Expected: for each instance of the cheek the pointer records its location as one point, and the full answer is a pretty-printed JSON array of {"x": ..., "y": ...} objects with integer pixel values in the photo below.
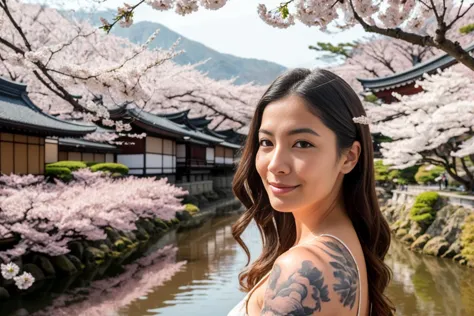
[
  {"x": 316, "y": 171},
  {"x": 260, "y": 164}
]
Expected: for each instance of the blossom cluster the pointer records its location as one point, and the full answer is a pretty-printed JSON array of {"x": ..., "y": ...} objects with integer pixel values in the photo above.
[
  {"x": 409, "y": 15},
  {"x": 184, "y": 7},
  {"x": 440, "y": 118},
  {"x": 48, "y": 216},
  {"x": 11, "y": 270}
]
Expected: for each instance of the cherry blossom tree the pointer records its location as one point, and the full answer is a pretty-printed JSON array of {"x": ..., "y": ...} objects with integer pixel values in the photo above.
[
  {"x": 37, "y": 45},
  {"x": 403, "y": 20},
  {"x": 48, "y": 216},
  {"x": 435, "y": 126},
  {"x": 377, "y": 56},
  {"x": 380, "y": 55},
  {"x": 75, "y": 72}
]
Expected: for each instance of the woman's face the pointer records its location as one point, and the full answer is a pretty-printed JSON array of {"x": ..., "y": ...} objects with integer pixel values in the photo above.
[{"x": 297, "y": 156}]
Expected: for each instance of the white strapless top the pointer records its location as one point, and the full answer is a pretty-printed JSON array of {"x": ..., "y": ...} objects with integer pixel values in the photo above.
[{"x": 240, "y": 308}]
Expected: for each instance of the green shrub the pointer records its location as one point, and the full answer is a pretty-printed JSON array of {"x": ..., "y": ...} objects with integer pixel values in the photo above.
[
  {"x": 58, "y": 172},
  {"x": 191, "y": 208},
  {"x": 423, "y": 211},
  {"x": 426, "y": 176},
  {"x": 71, "y": 165},
  {"x": 381, "y": 171},
  {"x": 190, "y": 199},
  {"x": 467, "y": 238},
  {"x": 110, "y": 167},
  {"x": 91, "y": 163},
  {"x": 403, "y": 176},
  {"x": 428, "y": 198}
]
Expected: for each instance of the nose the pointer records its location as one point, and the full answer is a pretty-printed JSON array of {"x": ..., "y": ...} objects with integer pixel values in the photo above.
[{"x": 279, "y": 162}]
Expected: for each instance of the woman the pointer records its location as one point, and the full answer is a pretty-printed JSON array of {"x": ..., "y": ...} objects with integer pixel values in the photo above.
[{"x": 306, "y": 177}]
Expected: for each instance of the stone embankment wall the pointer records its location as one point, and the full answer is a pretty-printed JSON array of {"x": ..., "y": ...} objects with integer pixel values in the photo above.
[{"x": 448, "y": 233}]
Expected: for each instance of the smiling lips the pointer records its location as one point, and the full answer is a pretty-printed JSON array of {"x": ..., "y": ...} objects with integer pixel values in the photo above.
[{"x": 280, "y": 188}]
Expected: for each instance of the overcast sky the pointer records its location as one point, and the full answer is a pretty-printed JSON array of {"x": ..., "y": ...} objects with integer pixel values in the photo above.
[{"x": 236, "y": 29}]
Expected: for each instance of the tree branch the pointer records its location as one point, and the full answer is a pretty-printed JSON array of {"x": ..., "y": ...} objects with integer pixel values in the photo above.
[{"x": 453, "y": 49}]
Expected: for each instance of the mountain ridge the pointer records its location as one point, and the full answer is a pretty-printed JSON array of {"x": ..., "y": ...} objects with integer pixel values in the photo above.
[{"x": 219, "y": 66}]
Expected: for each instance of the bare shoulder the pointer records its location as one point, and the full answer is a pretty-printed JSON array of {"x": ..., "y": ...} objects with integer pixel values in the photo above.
[{"x": 317, "y": 279}]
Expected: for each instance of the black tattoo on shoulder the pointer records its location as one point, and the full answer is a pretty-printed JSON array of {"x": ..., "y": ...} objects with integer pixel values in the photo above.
[
  {"x": 345, "y": 271},
  {"x": 302, "y": 294}
]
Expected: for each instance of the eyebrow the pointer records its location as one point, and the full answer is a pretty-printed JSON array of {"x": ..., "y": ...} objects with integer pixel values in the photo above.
[{"x": 292, "y": 132}]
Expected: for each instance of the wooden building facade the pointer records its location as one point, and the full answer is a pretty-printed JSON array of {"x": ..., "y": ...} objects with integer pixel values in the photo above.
[{"x": 28, "y": 136}]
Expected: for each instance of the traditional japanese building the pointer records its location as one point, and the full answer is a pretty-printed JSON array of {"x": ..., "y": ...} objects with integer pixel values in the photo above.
[
  {"x": 404, "y": 82},
  {"x": 207, "y": 154},
  {"x": 180, "y": 148},
  {"x": 28, "y": 136},
  {"x": 80, "y": 149},
  {"x": 175, "y": 147}
]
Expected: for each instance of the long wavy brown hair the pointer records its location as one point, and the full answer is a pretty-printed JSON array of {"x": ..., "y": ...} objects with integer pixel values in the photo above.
[{"x": 333, "y": 101}]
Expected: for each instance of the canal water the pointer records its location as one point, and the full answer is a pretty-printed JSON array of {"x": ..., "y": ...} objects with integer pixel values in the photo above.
[{"x": 207, "y": 284}]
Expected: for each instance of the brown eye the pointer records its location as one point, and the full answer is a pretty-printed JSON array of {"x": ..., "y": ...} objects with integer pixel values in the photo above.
[
  {"x": 265, "y": 143},
  {"x": 303, "y": 144}
]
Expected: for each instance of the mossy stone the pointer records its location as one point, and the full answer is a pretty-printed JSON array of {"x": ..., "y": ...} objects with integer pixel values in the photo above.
[
  {"x": 104, "y": 248},
  {"x": 63, "y": 265},
  {"x": 147, "y": 225},
  {"x": 408, "y": 239},
  {"x": 45, "y": 265},
  {"x": 160, "y": 224},
  {"x": 131, "y": 236},
  {"x": 92, "y": 254},
  {"x": 126, "y": 241},
  {"x": 401, "y": 232},
  {"x": 4, "y": 295},
  {"x": 76, "y": 262},
  {"x": 436, "y": 246},
  {"x": 119, "y": 245},
  {"x": 141, "y": 234},
  {"x": 420, "y": 243},
  {"x": 112, "y": 234},
  {"x": 77, "y": 249}
]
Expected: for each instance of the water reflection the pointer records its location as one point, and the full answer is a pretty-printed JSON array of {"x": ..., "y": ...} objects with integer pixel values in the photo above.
[
  {"x": 422, "y": 286},
  {"x": 208, "y": 283},
  {"x": 430, "y": 286}
]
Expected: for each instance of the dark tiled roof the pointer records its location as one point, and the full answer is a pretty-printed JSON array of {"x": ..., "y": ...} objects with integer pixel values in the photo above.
[
  {"x": 199, "y": 122},
  {"x": 230, "y": 145},
  {"x": 99, "y": 129},
  {"x": 178, "y": 117},
  {"x": 17, "y": 112},
  {"x": 170, "y": 126},
  {"x": 214, "y": 133},
  {"x": 411, "y": 75},
  {"x": 179, "y": 124},
  {"x": 232, "y": 136},
  {"x": 82, "y": 143}
]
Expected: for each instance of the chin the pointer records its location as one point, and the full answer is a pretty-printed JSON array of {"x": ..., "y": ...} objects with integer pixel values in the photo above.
[{"x": 281, "y": 205}]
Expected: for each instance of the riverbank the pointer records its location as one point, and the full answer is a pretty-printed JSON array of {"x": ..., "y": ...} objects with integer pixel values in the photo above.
[
  {"x": 430, "y": 225},
  {"x": 94, "y": 260}
]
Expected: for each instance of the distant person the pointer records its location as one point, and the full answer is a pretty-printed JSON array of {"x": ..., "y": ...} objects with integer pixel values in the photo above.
[
  {"x": 439, "y": 181},
  {"x": 445, "y": 181},
  {"x": 306, "y": 177}
]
